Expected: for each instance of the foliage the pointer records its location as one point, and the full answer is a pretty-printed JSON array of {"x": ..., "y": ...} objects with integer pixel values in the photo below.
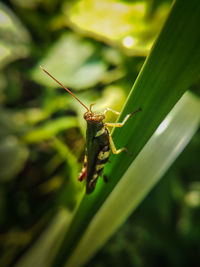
[{"x": 42, "y": 131}]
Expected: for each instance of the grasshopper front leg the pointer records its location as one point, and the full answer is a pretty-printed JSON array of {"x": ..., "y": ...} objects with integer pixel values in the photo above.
[
  {"x": 112, "y": 110},
  {"x": 119, "y": 124}
]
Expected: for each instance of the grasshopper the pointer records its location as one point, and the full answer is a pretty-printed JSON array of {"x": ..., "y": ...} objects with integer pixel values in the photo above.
[{"x": 98, "y": 141}]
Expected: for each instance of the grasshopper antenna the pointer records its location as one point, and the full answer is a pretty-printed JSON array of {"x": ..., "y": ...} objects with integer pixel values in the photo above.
[{"x": 64, "y": 87}]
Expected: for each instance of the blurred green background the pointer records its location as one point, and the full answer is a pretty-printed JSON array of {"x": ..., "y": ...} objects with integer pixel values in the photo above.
[{"x": 96, "y": 48}]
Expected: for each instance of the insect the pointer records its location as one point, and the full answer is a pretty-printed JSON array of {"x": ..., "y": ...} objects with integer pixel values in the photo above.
[{"x": 98, "y": 141}]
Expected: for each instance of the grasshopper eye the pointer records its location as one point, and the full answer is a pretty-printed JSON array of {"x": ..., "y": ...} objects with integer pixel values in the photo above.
[{"x": 87, "y": 115}]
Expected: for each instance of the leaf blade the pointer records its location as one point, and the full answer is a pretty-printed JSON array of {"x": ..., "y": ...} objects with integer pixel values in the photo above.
[{"x": 155, "y": 158}]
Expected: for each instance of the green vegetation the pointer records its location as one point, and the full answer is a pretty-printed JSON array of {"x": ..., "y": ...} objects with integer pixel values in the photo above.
[{"x": 45, "y": 217}]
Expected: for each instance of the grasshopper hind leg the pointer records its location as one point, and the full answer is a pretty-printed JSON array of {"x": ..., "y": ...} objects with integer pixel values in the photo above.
[
  {"x": 115, "y": 150},
  {"x": 83, "y": 173}
]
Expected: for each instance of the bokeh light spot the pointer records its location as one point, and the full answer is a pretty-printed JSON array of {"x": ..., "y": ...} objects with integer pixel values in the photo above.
[{"x": 128, "y": 41}]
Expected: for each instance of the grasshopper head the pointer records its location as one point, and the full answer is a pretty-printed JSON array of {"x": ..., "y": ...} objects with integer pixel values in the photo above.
[
  {"x": 90, "y": 116},
  {"x": 93, "y": 117}
]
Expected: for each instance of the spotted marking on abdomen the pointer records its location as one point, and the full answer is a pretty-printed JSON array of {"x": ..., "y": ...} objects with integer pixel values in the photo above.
[
  {"x": 104, "y": 153},
  {"x": 102, "y": 158},
  {"x": 99, "y": 167}
]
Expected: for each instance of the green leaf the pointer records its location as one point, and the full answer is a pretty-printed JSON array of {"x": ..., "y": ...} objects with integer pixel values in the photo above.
[
  {"x": 44, "y": 248},
  {"x": 172, "y": 66},
  {"x": 13, "y": 156},
  {"x": 13, "y": 37},
  {"x": 158, "y": 154},
  {"x": 50, "y": 129},
  {"x": 73, "y": 62},
  {"x": 128, "y": 25}
]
